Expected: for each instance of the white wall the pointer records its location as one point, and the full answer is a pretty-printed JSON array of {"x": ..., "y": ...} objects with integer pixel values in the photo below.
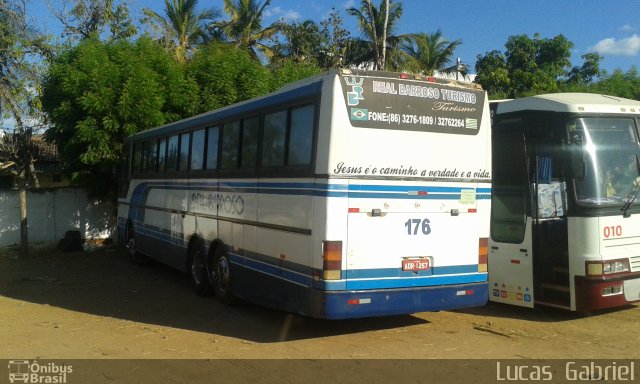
[{"x": 52, "y": 212}]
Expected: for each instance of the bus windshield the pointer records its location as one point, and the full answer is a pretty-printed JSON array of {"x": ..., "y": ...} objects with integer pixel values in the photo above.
[{"x": 609, "y": 159}]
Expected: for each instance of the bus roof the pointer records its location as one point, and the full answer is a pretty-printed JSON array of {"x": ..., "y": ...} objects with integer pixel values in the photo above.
[{"x": 571, "y": 102}]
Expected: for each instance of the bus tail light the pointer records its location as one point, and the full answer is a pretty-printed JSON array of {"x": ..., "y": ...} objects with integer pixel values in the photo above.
[
  {"x": 483, "y": 254},
  {"x": 609, "y": 267},
  {"x": 331, "y": 260}
]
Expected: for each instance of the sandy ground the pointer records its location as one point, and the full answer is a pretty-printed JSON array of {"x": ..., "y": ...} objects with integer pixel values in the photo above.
[{"x": 96, "y": 305}]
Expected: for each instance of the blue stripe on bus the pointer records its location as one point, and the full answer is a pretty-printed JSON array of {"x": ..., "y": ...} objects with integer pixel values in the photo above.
[
  {"x": 319, "y": 190},
  {"x": 382, "y": 283},
  {"x": 365, "y": 279},
  {"x": 386, "y": 272},
  {"x": 270, "y": 269}
]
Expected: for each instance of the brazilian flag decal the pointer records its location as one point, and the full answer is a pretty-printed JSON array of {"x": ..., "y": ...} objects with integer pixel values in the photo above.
[{"x": 360, "y": 114}]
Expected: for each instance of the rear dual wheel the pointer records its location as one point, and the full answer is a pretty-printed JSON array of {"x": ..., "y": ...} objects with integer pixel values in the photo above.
[
  {"x": 222, "y": 277},
  {"x": 200, "y": 271}
]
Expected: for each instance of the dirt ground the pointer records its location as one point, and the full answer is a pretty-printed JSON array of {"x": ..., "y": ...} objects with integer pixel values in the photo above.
[{"x": 96, "y": 305}]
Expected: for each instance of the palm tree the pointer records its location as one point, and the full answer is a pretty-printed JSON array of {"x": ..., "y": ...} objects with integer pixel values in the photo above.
[
  {"x": 181, "y": 27},
  {"x": 427, "y": 53},
  {"x": 244, "y": 27},
  {"x": 378, "y": 26}
]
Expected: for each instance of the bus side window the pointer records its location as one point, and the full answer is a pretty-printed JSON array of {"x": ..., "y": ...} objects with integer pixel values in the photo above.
[
  {"x": 149, "y": 161},
  {"x": 197, "y": 150},
  {"x": 230, "y": 145},
  {"x": 136, "y": 165},
  {"x": 162, "y": 152},
  {"x": 124, "y": 174},
  {"x": 183, "y": 162},
  {"x": 301, "y": 136},
  {"x": 213, "y": 138},
  {"x": 249, "y": 142},
  {"x": 275, "y": 130},
  {"x": 172, "y": 154}
]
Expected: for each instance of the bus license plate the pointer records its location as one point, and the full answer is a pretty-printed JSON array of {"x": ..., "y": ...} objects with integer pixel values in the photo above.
[{"x": 422, "y": 264}]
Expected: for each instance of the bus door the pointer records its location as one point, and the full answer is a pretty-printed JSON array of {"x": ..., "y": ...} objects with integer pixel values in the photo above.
[
  {"x": 510, "y": 246},
  {"x": 550, "y": 235},
  {"x": 411, "y": 235}
]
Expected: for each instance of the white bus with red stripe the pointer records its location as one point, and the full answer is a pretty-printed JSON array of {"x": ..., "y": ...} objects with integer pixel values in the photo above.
[
  {"x": 565, "y": 226},
  {"x": 348, "y": 194}
]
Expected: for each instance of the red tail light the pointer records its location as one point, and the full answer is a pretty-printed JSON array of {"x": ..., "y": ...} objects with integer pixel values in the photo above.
[
  {"x": 483, "y": 254},
  {"x": 331, "y": 260}
]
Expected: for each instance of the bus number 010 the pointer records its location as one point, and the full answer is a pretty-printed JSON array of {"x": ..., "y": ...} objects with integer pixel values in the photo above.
[
  {"x": 613, "y": 231},
  {"x": 413, "y": 225}
]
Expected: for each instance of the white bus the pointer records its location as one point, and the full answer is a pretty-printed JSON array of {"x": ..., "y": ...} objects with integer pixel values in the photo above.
[
  {"x": 565, "y": 224},
  {"x": 348, "y": 194}
]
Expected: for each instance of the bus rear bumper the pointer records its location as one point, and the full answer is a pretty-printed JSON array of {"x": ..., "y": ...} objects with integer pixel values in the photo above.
[
  {"x": 371, "y": 303},
  {"x": 609, "y": 292}
]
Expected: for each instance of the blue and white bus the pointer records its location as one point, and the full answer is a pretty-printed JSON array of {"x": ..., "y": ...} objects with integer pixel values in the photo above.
[{"x": 347, "y": 194}]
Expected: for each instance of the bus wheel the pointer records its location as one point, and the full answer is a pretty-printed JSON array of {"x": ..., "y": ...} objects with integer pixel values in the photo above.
[
  {"x": 135, "y": 257},
  {"x": 200, "y": 276},
  {"x": 222, "y": 277}
]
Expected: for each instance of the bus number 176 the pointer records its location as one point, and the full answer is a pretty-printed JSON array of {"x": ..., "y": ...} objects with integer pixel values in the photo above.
[{"x": 413, "y": 225}]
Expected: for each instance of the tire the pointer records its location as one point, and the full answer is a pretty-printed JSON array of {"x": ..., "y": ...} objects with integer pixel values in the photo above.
[
  {"x": 200, "y": 271},
  {"x": 222, "y": 277},
  {"x": 136, "y": 257}
]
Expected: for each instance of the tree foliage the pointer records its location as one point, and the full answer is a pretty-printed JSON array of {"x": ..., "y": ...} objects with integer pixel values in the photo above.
[
  {"x": 226, "y": 75},
  {"x": 619, "y": 83},
  {"x": 528, "y": 66},
  {"x": 378, "y": 25},
  {"x": 182, "y": 27},
  {"x": 323, "y": 45},
  {"x": 244, "y": 27},
  {"x": 427, "y": 53},
  {"x": 289, "y": 71},
  {"x": 97, "y": 93},
  {"x": 84, "y": 19},
  {"x": 18, "y": 74}
]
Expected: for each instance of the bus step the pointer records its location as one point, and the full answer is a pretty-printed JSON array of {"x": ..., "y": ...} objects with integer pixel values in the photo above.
[
  {"x": 555, "y": 287},
  {"x": 553, "y": 303},
  {"x": 561, "y": 274}
]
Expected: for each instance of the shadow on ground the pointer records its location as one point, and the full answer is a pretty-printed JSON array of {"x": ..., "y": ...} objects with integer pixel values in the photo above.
[{"x": 104, "y": 283}]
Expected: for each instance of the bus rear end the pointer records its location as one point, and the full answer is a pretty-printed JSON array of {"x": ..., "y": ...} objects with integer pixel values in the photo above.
[{"x": 402, "y": 219}]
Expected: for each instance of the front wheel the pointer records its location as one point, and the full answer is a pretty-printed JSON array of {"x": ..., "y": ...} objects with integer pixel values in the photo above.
[
  {"x": 222, "y": 277},
  {"x": 135, "y": 256},
  {"x": 200, "y": 272}
]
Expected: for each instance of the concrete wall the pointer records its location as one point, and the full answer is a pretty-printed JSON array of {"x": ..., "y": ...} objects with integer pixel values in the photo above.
[{"x": 52, "y": 212}]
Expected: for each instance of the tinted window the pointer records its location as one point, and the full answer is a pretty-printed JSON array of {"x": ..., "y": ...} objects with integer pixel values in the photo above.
[
  {"x": 172, "y": 154},
  {"x": 184, "y": 152},
  {"x": 162, "y": 152},
  {"x": 230, "y": 145},
  {"x": 197, "y": 150},
  {"x": 137, "y": 158},
  {"x": 149, "y": 163},
  {"x": 249, "y": 143},
  {"x": 275, "y": 130},
  {"x": 301, "y": 136},
  {"x": 510, "y": 188},
  {"x": 213, "y": 137}
]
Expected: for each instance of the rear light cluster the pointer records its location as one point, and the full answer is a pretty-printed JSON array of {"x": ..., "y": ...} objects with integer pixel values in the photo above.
[
  {"x": 609, "y": 267},
  {"x": 483, "y": 254},
  {"x": 331, "y": 260}
]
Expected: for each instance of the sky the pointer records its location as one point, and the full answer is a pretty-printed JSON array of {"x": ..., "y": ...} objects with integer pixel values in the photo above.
[{"x": 610, "y": 27}]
